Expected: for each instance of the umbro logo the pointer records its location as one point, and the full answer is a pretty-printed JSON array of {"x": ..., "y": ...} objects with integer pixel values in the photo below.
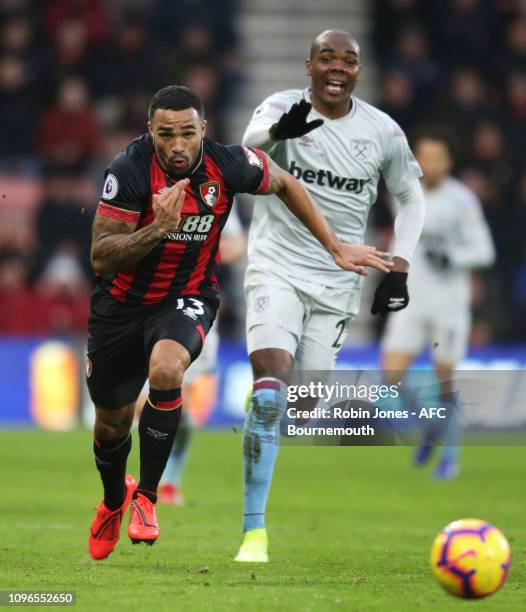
[
  {"x": 306, "y": 140},
  {"x": 396, "y": 303},
  {"x": 158, "y": 435}
]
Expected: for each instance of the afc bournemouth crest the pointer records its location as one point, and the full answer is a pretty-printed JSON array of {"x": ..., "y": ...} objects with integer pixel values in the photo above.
[{"x": 210, "y": 192}]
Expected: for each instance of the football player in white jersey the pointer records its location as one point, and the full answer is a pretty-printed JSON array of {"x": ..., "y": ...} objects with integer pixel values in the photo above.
[
  {"x": 298, "y": 304},
  {"x": 200, "y": 372},
  {"x": 455, "y": 240}
]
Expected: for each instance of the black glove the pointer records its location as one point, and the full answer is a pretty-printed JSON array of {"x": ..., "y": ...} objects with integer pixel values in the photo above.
[
  {"x": 294, "y": 123},
  {"x": 438, "y": 260},
  {"x": 391, "y": 294}
]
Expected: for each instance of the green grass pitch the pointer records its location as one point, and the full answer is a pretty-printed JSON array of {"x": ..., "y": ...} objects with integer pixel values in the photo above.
[{"x": 349, "y": 528}]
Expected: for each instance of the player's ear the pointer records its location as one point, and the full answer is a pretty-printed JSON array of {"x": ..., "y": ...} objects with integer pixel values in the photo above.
[
  {"x": 204, "y": 125},
  {"x": 150, "y": 129},
  {"x": 308, "y": 67}
]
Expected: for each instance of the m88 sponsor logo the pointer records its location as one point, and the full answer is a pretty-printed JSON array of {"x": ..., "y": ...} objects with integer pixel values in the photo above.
[{"x": 192, "y": 228}]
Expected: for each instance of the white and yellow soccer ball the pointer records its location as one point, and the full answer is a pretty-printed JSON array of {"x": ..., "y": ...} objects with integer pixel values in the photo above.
[{"x": 470, "y": 558}]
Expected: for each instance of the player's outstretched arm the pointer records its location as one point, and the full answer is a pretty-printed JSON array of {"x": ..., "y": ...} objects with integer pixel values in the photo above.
[
  {"x": 293, "y": 123},
  {"x": 297, "y": 199},
  {"x": 264, "y": 131},
  {"x": 117, "y": 246}
]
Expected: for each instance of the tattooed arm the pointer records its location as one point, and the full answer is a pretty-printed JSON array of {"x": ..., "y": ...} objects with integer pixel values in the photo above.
[
  {"x": 117, "y": 245},
  {"x": 297, "y": 199}
]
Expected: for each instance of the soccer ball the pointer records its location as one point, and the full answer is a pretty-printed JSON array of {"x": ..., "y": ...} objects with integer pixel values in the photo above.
[{"x": 470, "y": 558}]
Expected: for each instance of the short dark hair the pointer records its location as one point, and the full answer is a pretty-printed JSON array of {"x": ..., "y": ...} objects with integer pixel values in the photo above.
[
  {"x": 315, "y": 43},
  {"x": 176, "y": 97},
  {"x": 437, "y": 133}
]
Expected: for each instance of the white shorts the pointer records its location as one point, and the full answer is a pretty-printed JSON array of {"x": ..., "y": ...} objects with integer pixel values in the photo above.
[
  {"x": 307, "y": 320},
  {"x": 446, "y": 333}
]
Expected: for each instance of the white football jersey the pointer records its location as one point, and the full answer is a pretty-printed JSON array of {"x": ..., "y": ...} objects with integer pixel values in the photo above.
[
  {"x": 454, "y": 225},
  {"x": 340, "y": 163}
]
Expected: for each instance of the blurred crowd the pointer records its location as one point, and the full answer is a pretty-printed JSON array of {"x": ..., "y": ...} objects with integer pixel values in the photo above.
[
  {"x": 459, "y": 66},
  {"x": 76, "y": 77}
]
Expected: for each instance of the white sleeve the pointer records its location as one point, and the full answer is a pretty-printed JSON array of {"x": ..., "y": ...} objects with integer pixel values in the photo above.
[
  {"x": 258, "y": 136},
  {"x": 265, "y": 116},
  {"x": 410, "y": 220},
  {"x": 233, "y": 225},
  {"x": 473, "y": 246},
  {"x": 400, "y": 167}
]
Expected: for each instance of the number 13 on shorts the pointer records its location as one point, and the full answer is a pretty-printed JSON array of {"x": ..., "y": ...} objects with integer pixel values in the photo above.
[{"x": 191, "y": 307}]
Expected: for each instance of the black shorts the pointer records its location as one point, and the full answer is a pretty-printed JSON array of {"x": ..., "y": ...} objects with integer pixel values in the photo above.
[{"x": 121, "y": 338}]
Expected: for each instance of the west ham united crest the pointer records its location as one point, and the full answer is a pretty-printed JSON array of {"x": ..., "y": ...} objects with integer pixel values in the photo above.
[
  {"x": 261, "y": 303},
  {"x": 210, "y": 193},
  {"x": 361, "y": 148}
]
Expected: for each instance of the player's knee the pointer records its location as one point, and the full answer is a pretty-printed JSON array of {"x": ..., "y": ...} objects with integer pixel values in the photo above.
[
  {"x": 109, "y": 431},
  {"x": 112, "y": 425},
  {"x": 275, "y": 363},
  {"x": 167, "y": 375}
]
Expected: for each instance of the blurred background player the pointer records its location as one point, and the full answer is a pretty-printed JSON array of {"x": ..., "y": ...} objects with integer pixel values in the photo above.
[
  {"x": 202, "y": 372},
  {"x": 455, "y": 240},
  {"x": 298, "y": 304}
]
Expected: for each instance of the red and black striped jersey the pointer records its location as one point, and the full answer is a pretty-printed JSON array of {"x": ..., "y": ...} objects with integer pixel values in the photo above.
[{"x": 185, "y": 261}]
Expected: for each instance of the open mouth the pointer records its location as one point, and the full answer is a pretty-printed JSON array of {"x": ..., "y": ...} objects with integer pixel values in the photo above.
[
  {"x": 179, "y": 162},
  {"x": 335, "y": 87}
]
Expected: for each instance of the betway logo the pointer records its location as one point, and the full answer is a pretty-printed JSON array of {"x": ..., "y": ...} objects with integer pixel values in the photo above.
[{"x": 326, "y": 178}]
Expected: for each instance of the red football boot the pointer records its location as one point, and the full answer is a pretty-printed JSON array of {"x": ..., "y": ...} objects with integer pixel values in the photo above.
[
  {"x": 169, "y": 494},
  {"x": 105, "y": 529},
  {"x": 143, "y": 525}
]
